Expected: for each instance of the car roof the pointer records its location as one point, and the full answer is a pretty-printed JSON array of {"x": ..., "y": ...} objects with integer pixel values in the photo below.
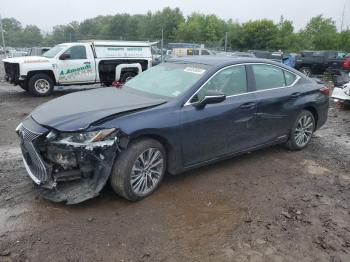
[{"x": 220, "y": 60}]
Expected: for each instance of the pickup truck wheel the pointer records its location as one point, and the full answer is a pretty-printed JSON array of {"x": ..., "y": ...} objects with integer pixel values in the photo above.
[
  {"x": 306, "y": 71},
  {"x": 127, "y": 76},
  {"x": 302, "y": 130},
  {"x": 139, "y": 170},
  {"x": 40, "y": 85}
]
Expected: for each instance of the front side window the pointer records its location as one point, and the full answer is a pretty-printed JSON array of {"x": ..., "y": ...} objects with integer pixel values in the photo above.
[
  {"x": 341, "y": 55},
  {"x": 76, "y": 52},
  {"x": 267, "y": 77},
  {"x": 230, "y": 81}
]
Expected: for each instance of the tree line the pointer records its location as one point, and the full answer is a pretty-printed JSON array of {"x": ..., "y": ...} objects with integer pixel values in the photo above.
[{"x": 320, "y": 33}]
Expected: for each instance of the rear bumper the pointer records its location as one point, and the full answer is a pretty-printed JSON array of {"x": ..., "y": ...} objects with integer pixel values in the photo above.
[{"x": 322, "y": 113}]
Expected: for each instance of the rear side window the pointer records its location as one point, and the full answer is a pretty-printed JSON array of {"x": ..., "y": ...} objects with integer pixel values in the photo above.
[
  {"x": 290, "y": 78},
  {"x": 267, "y": 77}
]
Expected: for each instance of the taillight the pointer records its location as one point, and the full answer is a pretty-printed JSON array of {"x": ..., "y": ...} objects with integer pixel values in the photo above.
[
  {"x": 117, "y": 84},
  {"x": 325, "y": 90},
  {"x": 346, "y": 64}
]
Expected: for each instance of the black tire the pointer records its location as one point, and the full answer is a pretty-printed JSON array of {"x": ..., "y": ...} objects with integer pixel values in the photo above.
[
  {"x": 127, "y": 76},
  {"x": 24, "y": 86},
  {"x": 306, "y": 71},
  {"x": 122, "y": 171},
  {"x": 292, "y": 142},
  {"x": 34, "y": 84}
]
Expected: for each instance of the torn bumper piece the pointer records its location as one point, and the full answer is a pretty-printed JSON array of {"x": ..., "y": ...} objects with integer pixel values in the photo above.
[
  {"x": 65, "y": 170},
  {"x": 342, "y": 94}
]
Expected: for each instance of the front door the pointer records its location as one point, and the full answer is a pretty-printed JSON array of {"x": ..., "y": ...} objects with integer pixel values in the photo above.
[
  {"x": 76, "y": 67},
  {"x": 223, "y": 128}
]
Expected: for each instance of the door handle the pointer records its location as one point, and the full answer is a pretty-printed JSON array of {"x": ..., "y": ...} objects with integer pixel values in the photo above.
[
  {"x": 87, "y": 63},
  {"x": 295, "y": 95},
  {"x": 248, "y": 105}
]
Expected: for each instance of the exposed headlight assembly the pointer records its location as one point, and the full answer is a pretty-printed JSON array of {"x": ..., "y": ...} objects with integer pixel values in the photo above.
[{"x": 105, "y": 137}]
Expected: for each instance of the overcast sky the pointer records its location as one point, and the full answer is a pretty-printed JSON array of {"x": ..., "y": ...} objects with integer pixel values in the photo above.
[{"x": 47, "y": 13}]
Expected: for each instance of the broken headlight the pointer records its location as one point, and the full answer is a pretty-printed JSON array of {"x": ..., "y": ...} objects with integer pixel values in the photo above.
[{"x": 93, "y": 138}]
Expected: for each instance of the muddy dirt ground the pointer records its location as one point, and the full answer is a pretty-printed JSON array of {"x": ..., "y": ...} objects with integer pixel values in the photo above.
[{"x": 271, "y": 205}]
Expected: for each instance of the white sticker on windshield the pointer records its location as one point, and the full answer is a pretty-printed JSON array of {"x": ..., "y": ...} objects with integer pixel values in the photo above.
[
  {"x": 176, "y": 93},
  {"x": 198, "y": 71}
]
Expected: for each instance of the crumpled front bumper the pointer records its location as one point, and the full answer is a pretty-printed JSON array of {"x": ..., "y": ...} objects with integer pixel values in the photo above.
[
  {"x": 85, "y": 181},
  {"x": 84, "y": 174}
]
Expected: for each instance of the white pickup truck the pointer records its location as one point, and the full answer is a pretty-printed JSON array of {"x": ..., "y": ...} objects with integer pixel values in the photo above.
[{"x": 79, "y": 64}]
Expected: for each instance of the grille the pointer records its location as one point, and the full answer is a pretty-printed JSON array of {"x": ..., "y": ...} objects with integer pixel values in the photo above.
[
  {"x": 31, "y": 156},
  {"x": 12, "y": 71}
]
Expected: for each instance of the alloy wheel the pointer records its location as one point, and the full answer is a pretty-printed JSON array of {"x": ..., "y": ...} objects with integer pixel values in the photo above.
[
  {"x": 304, "y": 130},
  {"x": 147, "y": 171}
]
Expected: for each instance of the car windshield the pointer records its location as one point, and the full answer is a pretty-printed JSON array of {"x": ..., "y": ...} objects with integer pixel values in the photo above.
[
  {"x": 168, "y": 79},
  {"x": 54, "y": 51}
]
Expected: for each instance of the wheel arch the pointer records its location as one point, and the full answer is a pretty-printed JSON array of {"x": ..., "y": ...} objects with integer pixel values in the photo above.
[
  {"x": 314, "y": 113},
  {"x": 49, "y": 73},
  {"x": 172, "y": 160}
]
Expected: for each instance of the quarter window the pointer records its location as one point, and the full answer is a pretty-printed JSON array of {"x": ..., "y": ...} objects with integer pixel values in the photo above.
[
  {"x": 230, "y": 81},
  {"x": 267, "y": 77},
  {"x": 76, "y": 52},
  {"x": 290, "y": 78}
]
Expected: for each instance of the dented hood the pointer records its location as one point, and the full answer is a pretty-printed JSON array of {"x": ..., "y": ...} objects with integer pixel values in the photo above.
[{"x": 79, "y": 110}]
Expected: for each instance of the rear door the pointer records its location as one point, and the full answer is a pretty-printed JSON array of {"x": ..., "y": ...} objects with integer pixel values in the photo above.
[
  {"x": 79, "y": 67},
  {"x": 277, "y": 101},
  {"x": 223, "y": 128}
]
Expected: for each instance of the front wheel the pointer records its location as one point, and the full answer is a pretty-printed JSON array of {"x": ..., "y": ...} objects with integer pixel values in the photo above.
[
  {"x": 24, "y": 86},
  {"x": 139, "y": 170},
  {"x": 302, "y": 130},
  {"x": 40, "y": 85}
]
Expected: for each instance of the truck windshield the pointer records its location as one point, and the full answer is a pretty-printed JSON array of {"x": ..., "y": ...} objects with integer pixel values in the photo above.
[
  {"x": 168, "y": 79},
  {"x": 54, "y": 51}
]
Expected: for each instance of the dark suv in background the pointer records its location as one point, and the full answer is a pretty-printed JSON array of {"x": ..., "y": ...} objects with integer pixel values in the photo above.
[{"x": 317, "y": 62}]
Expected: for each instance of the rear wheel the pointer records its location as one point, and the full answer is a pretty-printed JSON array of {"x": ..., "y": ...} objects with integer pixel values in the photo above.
[
  {"x": 40, "y": 85},
  {"x": 306, "y": 71},
  {"x": 302, "y": 131},
  {"x": 127, "y": 76},
  {"x": 139, "y": 170}
]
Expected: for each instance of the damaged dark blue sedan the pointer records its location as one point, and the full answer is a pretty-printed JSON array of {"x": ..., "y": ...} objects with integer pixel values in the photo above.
[{"x": 176, "y": 116}]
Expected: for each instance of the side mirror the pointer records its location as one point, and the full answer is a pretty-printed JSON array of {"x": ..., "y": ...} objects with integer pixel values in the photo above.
[
  {"x": 65, "y": 56},
  {"x": 211, "y": 97}
]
